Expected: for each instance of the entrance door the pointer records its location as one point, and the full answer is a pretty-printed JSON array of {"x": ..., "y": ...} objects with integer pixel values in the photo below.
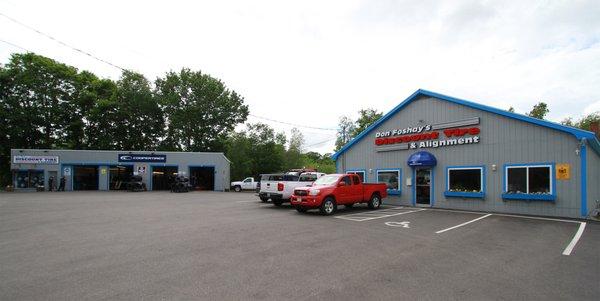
[{"x": 423, "y": 186}]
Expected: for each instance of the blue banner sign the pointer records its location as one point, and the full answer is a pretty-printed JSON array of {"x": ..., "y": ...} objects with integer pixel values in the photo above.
[{"x": 142, "y": 158}]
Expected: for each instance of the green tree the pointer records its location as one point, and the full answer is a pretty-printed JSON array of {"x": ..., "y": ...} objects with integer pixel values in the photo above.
[
  {"x": 539, "y": 110},
  {"x": 238, "y": 149},
  {"x": 567, "y": 121},
  {"x": 587, "y": 120},
  {"x": 38, "y": 93},
  {"x": 140, "y": 119},
  {"x": 199, "y": 110},
  {"x": 256, "y": 150},
  {"x": 323, "y": 163},
  {"x": 344, "y": 134},
  {"x": 585, "y": 123},
  {"x": 366, "y": 117},
  {"x": 102, "y": 120},
  {"x": 293, "y": 155}
]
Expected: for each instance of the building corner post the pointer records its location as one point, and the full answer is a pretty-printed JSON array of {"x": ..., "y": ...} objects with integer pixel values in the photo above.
[{"x": 583, "y": 158}]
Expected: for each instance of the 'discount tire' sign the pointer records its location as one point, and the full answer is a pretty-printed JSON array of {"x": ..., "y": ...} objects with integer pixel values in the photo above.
[{"x": 142, "y": 158}]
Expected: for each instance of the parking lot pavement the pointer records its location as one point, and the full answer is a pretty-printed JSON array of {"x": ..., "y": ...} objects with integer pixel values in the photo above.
[{"x": 209, "y": 245}]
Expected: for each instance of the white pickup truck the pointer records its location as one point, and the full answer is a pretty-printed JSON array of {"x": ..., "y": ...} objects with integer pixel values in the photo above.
[
  {"x": 280, "y": 187},
  {"x": 246, "y": 184}
]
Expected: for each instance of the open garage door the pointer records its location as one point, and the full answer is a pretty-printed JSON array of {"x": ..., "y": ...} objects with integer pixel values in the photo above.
[
  {"x": 85, "y": 177},
  {"x": 202, "y": 178},
  {"x": 119, "y": 176},
  {"x": 163, "y": 177}
]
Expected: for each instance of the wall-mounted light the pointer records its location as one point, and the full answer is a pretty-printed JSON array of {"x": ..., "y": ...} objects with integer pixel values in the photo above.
[
  {"x": 370, "y": 170},
  {"x": 494, "y": 167},
  {"x": 577, "y": 152}
]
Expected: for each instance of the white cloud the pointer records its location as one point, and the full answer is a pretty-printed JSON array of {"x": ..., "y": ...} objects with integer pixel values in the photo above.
[{"x": 308, "y": 62}]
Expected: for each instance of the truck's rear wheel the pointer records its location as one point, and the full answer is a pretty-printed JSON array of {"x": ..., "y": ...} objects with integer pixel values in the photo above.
[
  {"x": 237, "y": 188},
  {"x": 277, "y": 202},
  {"x": 328, "y": 206},
  {"x": 263, "y": 199},
  {"x": 375, "y": 201}
]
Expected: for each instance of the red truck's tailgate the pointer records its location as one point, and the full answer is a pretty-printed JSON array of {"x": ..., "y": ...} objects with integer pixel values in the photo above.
[{"x": 370, "y": 188}]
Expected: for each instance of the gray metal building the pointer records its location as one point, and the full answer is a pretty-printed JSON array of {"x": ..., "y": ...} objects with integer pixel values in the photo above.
[
  {"x": 439, "y": 151},
  {"x": 110, "y": 170}
]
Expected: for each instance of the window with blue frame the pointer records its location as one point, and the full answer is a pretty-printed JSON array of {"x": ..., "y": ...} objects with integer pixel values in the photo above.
[
  {"x": 360, "y": 173},
  {"x": 466, "y": 182},
  {"x": 392, "y": 178},
  {"x": 529, "y": 182}
]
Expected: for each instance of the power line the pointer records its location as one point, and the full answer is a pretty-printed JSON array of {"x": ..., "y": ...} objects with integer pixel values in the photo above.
[
  {"x": 61, "y": 42},
  {"x": 293, "y": 124},
  {"x": 15, "y": 45},
  {"x": 315, "y": 144}
]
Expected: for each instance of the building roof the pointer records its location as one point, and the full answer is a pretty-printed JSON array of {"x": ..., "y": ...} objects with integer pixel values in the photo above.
[{"x": 578, "y": 133}]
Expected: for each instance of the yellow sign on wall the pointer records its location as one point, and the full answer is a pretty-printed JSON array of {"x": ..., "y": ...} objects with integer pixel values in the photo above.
[
  {"x": 103, "y": 171},
  {"x": 563, "y": 171}
]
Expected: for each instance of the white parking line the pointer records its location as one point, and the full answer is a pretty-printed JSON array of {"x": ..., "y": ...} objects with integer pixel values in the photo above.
[
  {"x": 457, "y": 226},
  {"x": 358, "y": 218},
  {"x": 575, "y": 239}
]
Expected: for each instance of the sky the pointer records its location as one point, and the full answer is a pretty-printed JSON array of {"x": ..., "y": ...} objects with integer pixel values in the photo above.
[{"x": 311, "y": 62}]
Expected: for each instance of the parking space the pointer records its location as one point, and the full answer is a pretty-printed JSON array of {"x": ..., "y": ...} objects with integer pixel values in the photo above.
[
  {"x": 565, "y": 234},
  {"x": 209, "y": 245}
]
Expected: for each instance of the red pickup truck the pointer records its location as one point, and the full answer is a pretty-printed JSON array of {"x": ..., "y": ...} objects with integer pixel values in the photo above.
[{"x": 329, "y": 191}]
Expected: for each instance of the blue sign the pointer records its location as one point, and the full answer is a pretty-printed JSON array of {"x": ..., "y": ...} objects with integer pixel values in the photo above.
[{"x": 142, "y": 158}]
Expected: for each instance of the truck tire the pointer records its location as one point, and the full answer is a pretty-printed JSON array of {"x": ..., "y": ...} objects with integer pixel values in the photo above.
[
  {"x": 277, "y": 202},
  {"x": 328, "y": 207},
  {"x": 263, "y": 199},
  {"x": 300, "y": 209},
  {"x": 375, "y": 201},
  {"x": 237, "y": 188}
]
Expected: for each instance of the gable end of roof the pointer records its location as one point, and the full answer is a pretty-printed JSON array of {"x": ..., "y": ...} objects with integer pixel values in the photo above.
[{"x": 578, "y": 133}]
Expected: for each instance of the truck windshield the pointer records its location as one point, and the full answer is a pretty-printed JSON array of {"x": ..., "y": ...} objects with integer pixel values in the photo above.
[{"x": 326, "y": 180}]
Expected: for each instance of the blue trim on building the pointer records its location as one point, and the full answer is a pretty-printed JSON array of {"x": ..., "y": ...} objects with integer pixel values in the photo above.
[
  {"x": 97, "y": 164},
  {"x": 431, "y": 185},
  {"x": 583, "y": 157},
  {"x": 414, "y": 186},
  {"x": 391, "y": 191},
  {"x": 364, "y": 171},
  {"x": 455, "y": 194},
  {"x": 578, "y": 133},
  {"x": 62, "y": 166},
  {"x": 480, "y": 194},
  {"x": 529, "y": 196},
  {"x": 432, "y": 188}
]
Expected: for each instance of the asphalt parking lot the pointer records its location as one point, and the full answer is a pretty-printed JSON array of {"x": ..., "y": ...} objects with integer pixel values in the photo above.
[{"x": 230, "y": 246}]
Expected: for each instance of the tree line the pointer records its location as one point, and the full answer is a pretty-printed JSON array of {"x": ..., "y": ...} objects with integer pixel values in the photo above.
[
  {"x": 50, "y": 105},
  {"x": 540, "y": 110}
]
